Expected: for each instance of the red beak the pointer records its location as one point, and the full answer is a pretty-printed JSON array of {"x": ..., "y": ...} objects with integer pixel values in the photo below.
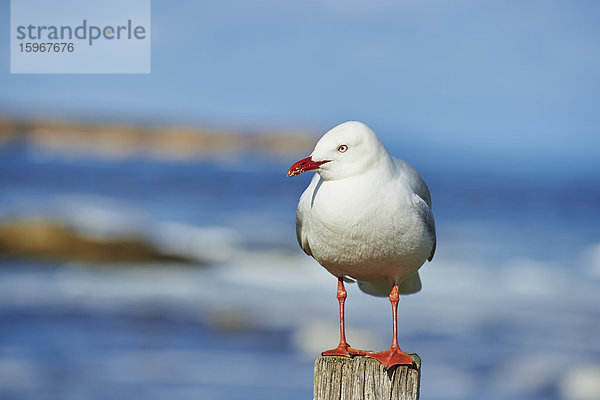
[{"x": 304, "y": 165}]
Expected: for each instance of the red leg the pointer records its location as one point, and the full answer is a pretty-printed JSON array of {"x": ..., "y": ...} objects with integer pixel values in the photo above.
[
  {"x": 344, "y": 348},
  {"x": 393, "y": 356}
]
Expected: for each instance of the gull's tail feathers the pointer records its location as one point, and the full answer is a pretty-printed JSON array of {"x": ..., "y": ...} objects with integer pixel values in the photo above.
[{"x": 382, "y": 288}]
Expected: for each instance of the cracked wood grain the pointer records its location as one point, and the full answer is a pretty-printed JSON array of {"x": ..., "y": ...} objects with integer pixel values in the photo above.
[{"x": 361, "y": 378}]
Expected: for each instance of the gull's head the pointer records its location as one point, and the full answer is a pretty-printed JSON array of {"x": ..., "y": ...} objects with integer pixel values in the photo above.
[{"x": 348, "y": 149}]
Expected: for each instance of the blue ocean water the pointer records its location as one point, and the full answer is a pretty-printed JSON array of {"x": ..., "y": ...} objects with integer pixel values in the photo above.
[{"x": 511, "y": 296}]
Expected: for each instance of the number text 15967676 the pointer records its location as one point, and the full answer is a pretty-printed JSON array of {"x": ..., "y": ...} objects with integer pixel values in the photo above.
[{"x": 48, "y": 47}]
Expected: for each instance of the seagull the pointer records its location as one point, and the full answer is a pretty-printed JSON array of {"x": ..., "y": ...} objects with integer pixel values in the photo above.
[{"x": 365, "y": 216}]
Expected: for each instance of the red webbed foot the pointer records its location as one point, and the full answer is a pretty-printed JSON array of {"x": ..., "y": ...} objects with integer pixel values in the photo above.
[
  {"x": 391, "y": 357},
  {"x": 344, "y": 350}
]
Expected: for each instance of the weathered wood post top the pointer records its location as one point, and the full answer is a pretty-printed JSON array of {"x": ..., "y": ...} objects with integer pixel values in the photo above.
[{"x": 362, "y": 378}]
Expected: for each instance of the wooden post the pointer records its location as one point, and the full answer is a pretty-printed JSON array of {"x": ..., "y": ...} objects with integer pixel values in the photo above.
[{"x": 362, "y": 378}]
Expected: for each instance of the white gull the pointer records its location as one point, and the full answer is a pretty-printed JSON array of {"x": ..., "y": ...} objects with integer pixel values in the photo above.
[{"x": 365, "y": 215}]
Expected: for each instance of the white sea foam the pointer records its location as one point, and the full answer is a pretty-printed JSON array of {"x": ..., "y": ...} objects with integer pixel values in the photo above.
[
  {"x": 99, "y": 215},
  {"x": 582, "y": 382},
  {"x": 216, "y": 244},
  {"x": 591, "y": 260}
]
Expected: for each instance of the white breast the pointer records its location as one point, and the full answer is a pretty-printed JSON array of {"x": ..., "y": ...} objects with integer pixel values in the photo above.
[{"x": 363, "y": 230}]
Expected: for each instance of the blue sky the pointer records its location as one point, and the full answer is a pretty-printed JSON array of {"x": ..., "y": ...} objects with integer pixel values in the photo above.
[{"x": 499, "y": 78}]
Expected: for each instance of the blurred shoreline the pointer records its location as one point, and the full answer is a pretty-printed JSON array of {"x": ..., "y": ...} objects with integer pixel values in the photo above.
[
  {"x": 52, "y": 241},
  {"x": 172, "y": 142}
]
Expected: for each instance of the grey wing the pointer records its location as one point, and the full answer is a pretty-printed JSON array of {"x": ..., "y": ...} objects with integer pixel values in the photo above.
[
  {"x": 302, "y": 213},
  {"x": 419, "y": 187},
  {"x": 416, "y": 182},
  {"x": 427, "y": 217}
]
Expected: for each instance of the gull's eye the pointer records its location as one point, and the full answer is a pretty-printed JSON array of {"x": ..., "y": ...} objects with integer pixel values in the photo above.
[{"x": 342, "y": 148}]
